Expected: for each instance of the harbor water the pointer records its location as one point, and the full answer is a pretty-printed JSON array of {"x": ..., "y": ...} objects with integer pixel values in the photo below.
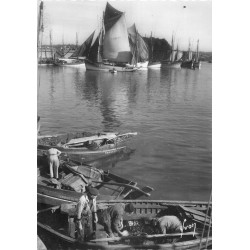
[{"x": 171, "y": 109}]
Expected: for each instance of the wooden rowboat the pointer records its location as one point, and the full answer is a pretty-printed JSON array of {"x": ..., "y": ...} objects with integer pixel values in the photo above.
[
  {"x": 195, "y": 218},
  {"x": 73, "y": 178},
  {"x": 87, "y": 146}
]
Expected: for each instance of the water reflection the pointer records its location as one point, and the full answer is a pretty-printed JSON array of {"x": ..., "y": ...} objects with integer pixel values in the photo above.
[{"x": 110, "y": 162}]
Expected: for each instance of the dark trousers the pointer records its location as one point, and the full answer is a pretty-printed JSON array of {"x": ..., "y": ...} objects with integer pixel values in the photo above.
[{"x": 86, "y": 221}]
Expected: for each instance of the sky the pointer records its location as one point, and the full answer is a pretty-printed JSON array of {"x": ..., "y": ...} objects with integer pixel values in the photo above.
[{"x": 65, "y": 18}]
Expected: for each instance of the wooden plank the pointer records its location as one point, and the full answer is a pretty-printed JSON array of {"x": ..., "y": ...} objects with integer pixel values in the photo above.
[{"x": 153, "y": 236}]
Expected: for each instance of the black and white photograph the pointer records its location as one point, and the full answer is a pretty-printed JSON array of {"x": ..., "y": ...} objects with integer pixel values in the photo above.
[{"x": 124, "y": 124}]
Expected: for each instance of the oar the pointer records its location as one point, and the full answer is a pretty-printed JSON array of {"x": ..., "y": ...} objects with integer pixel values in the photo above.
[
  {"x": 47, "y": 209},
  {"x": 123, "y": 185},
  {"x": 142, "y": 236}
]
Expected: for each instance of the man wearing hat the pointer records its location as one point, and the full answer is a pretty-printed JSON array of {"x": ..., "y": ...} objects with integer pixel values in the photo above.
[
  {"x": 112, "y": 218},
  {"x": 84, "y": 209}
]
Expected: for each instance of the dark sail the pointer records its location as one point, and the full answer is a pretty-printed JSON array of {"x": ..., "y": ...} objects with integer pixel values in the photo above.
[
  {"x": 111, "y": 16},
  {"x": 93, "y": 52},
  {"x": 83, "y": 50}
]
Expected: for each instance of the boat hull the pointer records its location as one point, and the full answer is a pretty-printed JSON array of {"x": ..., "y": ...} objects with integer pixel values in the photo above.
[
  {"x": 197, "y": 65},
  {"x": 143, "y": 209},
  {"x": 106, "y": 67},
  {"x": 154, "y": 65},
  {"x": 54, "y": 197},
  {"x": 187, "y": 64},
  {"x": 175, "y": 65},
  {"x": 142, "y": 65},
  {"x": 74, "y": 65},
  {"x": 84, "y": 154}
]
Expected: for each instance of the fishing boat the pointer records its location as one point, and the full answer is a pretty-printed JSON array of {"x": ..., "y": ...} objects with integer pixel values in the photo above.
[
  {"x": 152, "y": 63},
  {"x": 197, "y": 62},
  {"x": 74, "y": 178},
  {"x": 78, "y": 57},
  {"x": 87, "y": 146},
  {"x": 138, "y": 48},
  {"x": 194, "y": 216},
  {"x": 174, "y": 59},
  {"x": 110, "y": 47},
  {"x": 188, "y": 60}
]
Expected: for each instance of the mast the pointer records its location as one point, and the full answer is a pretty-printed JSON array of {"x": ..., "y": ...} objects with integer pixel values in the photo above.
[
  {"x": 76, "y": 40},
  {"x": 51, "y": 48},
  {"x": 152, "y": 47},
  {"x": 197, "y": 51},
  {"x": 177, "y": 52},
  {"x": 172, "y": 49},
  {"x": 100, "y": 45},
  {"x": 40, "y": 30},
  {"x": 63, "y": 45},
  {"x": 189, "y": 51},
  {"x": 39, "y": 25}
]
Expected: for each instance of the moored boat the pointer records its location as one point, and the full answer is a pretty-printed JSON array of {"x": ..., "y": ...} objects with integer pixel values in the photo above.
[
  {"x": 174, "y": 59},
  {"x": 87, "y": 146},
  {"x": 195, "y": 218},
  {"x": 188, "y": 59},
  {"x": 139, "y": 49},
  {"x": 74, "y": 178},
  {"x": 197, "y": 62}
]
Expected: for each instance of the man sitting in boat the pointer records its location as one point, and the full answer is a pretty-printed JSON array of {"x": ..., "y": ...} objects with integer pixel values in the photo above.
[
  {"x": 168, "y": 224},
  {"x": 85, "y": 206},
  {"x": 112, "y": 218},
  {"x": 53, "y": 154}
]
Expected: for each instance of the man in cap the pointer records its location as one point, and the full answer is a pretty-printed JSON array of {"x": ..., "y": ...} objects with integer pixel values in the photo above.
[
  {"x": 112, "y": 218},
  {"x": 84, "y": 209}
]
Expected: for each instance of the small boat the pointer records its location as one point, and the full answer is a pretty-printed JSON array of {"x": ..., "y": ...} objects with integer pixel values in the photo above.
[
  {"x": 194, "y": 216},
  {"x": 74, "y": 178},
  {"x": 86, "y": 145},
  {"x": 113, "y": 71}
]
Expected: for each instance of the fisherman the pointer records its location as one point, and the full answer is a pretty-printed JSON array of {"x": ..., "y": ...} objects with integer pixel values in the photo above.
[
  {"x": 84, "y": 218},
  {"x": 168, "y": 223},
  {"x": 53, "y": 154},
  {"x": 112, "y": 218}
]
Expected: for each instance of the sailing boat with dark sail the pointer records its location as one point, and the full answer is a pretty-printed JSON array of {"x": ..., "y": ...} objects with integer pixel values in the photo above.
[
  {"x": 174, "y": 58},
  {"x": 197, "y": 63},
  {"x": 138, "y": 48},
  {"x": 110, "y": 49},
  {"x": 77, "y": 58},
  {"x": 188, "y": 61}
]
